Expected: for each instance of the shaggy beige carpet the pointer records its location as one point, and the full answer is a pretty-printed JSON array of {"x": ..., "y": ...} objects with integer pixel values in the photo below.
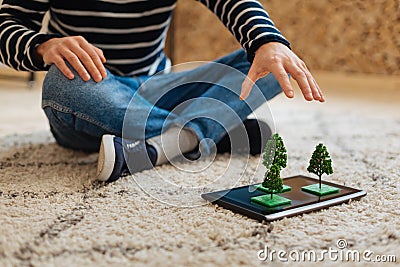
[{"x": 53, "y": 214}]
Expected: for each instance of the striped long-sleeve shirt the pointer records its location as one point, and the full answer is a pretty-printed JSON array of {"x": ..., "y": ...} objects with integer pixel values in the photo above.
[{"x": 130, "y": 32}]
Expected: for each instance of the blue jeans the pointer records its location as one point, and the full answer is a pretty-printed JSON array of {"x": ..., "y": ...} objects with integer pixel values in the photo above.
[{"x": 205, "y": 100}]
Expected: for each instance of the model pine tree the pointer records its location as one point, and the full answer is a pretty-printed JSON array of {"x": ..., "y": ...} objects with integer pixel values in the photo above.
[
  {"x": 275, "y": 153},
  {"x": 320, "y": 162},
  {"x": 274, "y": 159},
  {"x": 273, "y": 180}
]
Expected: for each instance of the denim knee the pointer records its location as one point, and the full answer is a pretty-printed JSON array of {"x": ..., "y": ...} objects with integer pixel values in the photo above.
[
  {"x": 75, "y": 111},
  {"x": 95, "y": 105},
  {"x": 59, "y": 89}
]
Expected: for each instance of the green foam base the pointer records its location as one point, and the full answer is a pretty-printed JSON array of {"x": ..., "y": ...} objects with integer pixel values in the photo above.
[
  {"x": 285, "y": 188},
  {"x": 266, "y": 200},
  {"x": 325, "y": 189}
]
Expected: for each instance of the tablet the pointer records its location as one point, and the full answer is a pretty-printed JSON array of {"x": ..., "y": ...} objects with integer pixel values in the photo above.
[{"x": 239, "y": 199}]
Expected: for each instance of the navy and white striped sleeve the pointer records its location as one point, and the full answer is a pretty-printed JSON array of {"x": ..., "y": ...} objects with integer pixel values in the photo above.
[
  {"x": 20, "y": 23},
  {"x": 248, "y": 22}
]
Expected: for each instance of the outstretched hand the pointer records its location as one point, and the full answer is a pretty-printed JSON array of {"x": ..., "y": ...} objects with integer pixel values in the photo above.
[
  {"x": 278, "y": 59},
  {"x": 84, "y": 57}
]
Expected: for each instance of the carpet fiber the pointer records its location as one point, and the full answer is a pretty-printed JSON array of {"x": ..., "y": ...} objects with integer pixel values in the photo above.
[{"x": 53, "y": 213}]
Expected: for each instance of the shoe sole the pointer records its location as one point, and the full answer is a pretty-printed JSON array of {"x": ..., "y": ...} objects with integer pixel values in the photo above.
[{"x": 106, "y": 161}]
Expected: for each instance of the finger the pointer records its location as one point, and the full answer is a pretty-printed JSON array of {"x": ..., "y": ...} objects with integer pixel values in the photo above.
[
  {"x": 87, "y": 58},
  {"x": 315, "y": 90},
  {"x": 320, "y": 91},
  {"x": 98, "y": 59},
  {"x": 248, "y": 83},
  {"x": 100, "y": 65},
  {"x": 301, "y": 79},
  {"x": 60, "y": 63},
  {"x": 322, "y": 98},
  {"x": 283, "y": 79},
  {"x": 101, "y": 54},
  {"x": 313, "y": 86},
  {"x": 321, "y": 95},
  {"x": 76, "y": 64}
]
